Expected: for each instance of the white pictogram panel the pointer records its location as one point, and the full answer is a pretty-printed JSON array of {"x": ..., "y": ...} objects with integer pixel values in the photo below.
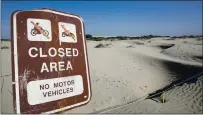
[
  {"x": 67, "y": 32},
  {"x": 39, "y": 30}
]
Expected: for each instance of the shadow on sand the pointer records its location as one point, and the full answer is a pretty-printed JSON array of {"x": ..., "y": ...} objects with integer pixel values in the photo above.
[
  {"x": 165, "y": 46},
  {"x": 183, "y": 73}
]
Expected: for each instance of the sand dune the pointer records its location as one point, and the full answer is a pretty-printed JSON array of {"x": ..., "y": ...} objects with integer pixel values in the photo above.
[
  {"x": 150, "y": 69},
  {"x": 186, "y": 98},
  {"x": 128, "y": 71}
]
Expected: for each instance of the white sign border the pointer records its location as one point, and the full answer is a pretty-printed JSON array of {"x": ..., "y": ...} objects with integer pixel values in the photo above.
[{"x": 16, "y": 61}]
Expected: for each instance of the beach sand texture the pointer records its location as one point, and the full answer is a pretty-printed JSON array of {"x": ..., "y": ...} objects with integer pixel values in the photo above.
[{"x": 124, "y": 72}]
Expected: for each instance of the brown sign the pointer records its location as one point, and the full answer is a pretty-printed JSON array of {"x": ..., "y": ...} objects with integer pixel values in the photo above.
[{"x": 49, "y": 61}]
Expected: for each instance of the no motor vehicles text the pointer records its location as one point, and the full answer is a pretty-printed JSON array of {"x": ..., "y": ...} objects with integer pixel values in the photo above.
[{"x": 68, "y": 85}]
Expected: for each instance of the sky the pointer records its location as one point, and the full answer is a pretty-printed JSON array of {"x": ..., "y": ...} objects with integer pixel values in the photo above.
[{"x": 121, "y": 18}]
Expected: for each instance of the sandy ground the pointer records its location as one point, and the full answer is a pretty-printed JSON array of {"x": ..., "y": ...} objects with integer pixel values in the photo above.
[
  {"x": 186, "y": 98},
  {"x": 127, "y": 71}
]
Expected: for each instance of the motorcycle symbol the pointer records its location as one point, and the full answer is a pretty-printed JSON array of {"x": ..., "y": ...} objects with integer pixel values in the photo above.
[
  {"x": 35, "y": 31},
  {"x": 66, "y": 34}
]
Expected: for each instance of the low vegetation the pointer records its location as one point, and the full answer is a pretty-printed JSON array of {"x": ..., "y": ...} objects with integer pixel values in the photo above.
[
  {"x": 4, "y": 47},
  {"x": 2, "y": 39},
  {"x": 190, "y": 36},
  {"x": 90, "y": 37}
]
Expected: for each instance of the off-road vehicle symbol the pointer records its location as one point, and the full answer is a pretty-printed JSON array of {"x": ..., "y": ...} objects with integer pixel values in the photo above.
[
  {"x": 35, "y": 31},
  {"x": 67, "y": 32},
  {"x": 70, "y": 34}
]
